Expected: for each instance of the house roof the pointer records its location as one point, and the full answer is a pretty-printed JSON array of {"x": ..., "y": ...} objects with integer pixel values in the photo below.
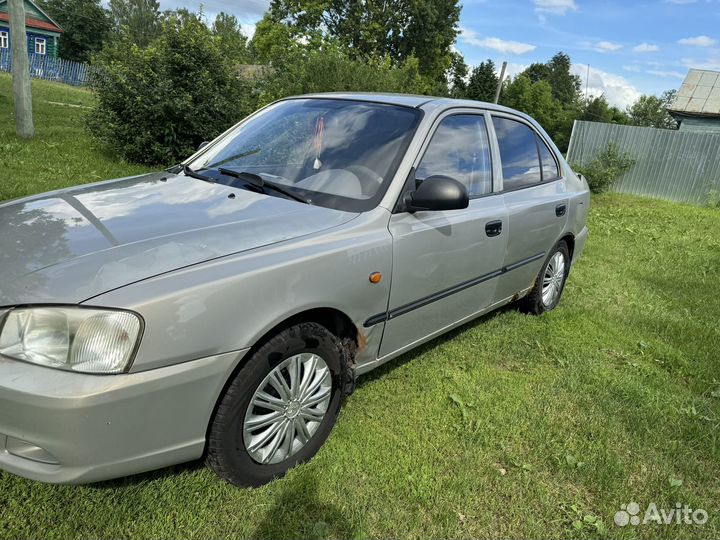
[
  {"x": 33, "y": 22},
  {"x": 699, "y": 94}
]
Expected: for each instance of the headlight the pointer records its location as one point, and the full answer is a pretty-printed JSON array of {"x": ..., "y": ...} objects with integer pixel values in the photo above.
[{"x": 71, "y": 338}]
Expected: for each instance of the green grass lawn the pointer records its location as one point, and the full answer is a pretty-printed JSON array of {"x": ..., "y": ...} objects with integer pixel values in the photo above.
[
  {"x": 512, "y": 426},
  {"x": 61, "y": 154}
]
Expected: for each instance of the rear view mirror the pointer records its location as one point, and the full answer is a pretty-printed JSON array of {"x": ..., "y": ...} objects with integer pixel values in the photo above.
[
  {"x": 203, "y": 145},
  {"x": 438, "y": 193}
]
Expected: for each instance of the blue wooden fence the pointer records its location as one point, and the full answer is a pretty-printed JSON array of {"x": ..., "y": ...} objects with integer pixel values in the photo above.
[{"x": 51, "y": 69}]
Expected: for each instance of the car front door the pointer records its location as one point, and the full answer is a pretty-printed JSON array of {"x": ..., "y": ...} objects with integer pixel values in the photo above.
[
  {"x": 445, "y": 263},
  {"x": 535, "y": 198}
]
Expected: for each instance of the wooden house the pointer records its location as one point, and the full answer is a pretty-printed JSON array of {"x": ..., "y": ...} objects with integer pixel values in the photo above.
[{"x": 43, "y": 33}]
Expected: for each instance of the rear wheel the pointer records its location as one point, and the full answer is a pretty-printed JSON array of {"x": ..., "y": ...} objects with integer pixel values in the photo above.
[
  {"x": 280, "y": 407},
  {"x": 550, "y": 283}
]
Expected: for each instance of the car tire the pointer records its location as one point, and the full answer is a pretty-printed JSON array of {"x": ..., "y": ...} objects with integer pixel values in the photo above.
[
  {"x": 550, "y": 282},
  {"x": 242, "y": 447}
]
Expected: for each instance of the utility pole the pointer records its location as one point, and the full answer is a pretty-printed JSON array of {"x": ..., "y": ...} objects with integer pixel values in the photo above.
[
  {"x": 587, "y": 82},
  {"x": 500, "y": 82},
  {"x": 21, "y": 71}
]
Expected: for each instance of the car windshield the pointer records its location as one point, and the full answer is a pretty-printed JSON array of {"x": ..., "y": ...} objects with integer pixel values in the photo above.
[{"x": 335, "y": 153}]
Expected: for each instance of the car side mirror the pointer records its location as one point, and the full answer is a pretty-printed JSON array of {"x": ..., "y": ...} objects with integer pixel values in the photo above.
[
  {"x": 437, "y": 193},
  {"x": 203, "y": 145}
]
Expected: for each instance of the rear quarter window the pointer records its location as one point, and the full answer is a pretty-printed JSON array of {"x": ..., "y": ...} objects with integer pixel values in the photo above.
[
  {"x": 547, "y": 161},
  {"x": 518, "y": 153}
]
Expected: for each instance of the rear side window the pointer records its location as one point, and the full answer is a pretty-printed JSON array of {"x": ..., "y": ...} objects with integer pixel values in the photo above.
[
  {"x": 518, "y": 153},
  {"x": 459, "y": 149},
  {"x": 549, "y": 165}
]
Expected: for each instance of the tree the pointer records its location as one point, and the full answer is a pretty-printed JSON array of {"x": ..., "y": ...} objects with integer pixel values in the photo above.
[
  {"x": 564, "y": 105},
  {"x": 398, "y": 29},
  {"x": 537, "y": 72},
  {"x": 232, "y": 41},
  {"x": 597, "y": 109},
  {"x": 138, "y": 20},
  {"x": 651, "y": 111},
  {"x": 458, "y": 75},
  {"x": 86, "y": 24},
  {"x": 535, "y": 99},
  {"x": 22, "y": 89},
  {"x": 332, "y": 70},
  {"x": 156, "y": 104},
  {"x": 273, "y": 42},
  {"x": 483, "y": 82},
  {"x": 565, "y": 85}
]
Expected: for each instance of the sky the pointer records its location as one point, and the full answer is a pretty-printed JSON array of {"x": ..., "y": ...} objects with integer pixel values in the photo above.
[{"x": 632, "y": 47}]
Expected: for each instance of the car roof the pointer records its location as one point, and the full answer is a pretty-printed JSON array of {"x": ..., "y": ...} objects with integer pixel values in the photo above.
[{"x": 410, "y": 100}]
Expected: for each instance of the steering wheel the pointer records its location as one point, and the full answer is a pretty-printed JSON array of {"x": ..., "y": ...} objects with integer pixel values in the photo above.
[{"x": 370, "y": 181}]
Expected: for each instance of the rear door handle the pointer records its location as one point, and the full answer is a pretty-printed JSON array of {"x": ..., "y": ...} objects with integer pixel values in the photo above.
[
  {"x": 493, "y": 228},
  {"x": 560, "y": 210}
]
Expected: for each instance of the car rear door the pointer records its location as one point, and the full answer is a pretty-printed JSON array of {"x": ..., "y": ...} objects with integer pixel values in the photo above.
[
  {"x": 445, "y": 263},
  {"x": 535, "y": 197}
]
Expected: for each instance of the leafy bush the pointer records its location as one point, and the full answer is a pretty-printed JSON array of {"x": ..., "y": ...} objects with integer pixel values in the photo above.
[
  {"x": 156, "y": 105},
  {"x": 324, "y": 65},
  {"x": 603, "y": 171},
  {"x": 713, "y": 198},
  {"x": 333, "y": 71}
]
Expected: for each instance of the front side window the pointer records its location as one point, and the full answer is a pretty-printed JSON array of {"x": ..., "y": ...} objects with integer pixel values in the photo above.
[
  {"x": 337, "y": 153},
  {"x": 40, "y": 46},
  {"x": 518, "y": 153},
  {"x": 459, "y": 149},
  {"x": 4, "y": 40}
]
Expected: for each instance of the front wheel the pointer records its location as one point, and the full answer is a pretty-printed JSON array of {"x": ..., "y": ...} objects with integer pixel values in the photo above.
[
  {"x": 550, "y": 283},
  {"x": 280, "y": 407}
]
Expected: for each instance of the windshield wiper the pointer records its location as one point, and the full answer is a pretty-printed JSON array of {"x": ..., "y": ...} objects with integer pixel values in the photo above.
[
  {"x": 259, "y": 182},
  {"x": 192, "y": 174}
]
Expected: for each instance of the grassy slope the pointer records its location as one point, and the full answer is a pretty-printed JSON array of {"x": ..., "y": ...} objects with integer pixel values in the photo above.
[
  {"x": 513, "y": 426},
  {"x": 61, "y": 154}
]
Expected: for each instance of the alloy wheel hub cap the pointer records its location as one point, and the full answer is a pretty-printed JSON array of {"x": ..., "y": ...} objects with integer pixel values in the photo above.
[
  {"x": 292, "y": 409},
  {"x": 553, "y": 279},
  {"x": 287, "y": 408}
]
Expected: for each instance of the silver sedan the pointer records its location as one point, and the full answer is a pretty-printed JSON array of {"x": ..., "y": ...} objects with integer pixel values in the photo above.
[{"x": 225, "y": 307}]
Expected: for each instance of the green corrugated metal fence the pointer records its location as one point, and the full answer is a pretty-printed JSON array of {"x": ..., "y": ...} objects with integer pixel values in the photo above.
[{"x": 675, "y": 165}]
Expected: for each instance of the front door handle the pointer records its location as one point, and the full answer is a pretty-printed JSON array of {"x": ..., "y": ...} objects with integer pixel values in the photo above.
[
  {"x": 560, "y": 210},
  {"x": 493, "y": 228}
]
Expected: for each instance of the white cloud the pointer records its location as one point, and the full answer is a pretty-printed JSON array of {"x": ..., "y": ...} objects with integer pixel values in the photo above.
[
  {"x": 646, "y": 47},
  {"x": 242, "y": 9},
  {"x": 680, "y": 1},
  {"x": 616, "y": 89},
  {"x": 712, "y": 64},
  {"x": 513, "y": 69},
  {"x": 698, "y": 41},
  {"x": 504, "y": 46},
  {"x": 604, "y": 46},
  {"x": 653, "y": 68},
  {"x": 248, "y": 30},
  {"x": 555, "y": 7},
  {"x": 663, "y": 73}
]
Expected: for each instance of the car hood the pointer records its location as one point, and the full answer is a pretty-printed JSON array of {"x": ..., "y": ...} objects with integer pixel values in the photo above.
[{"x": 70, "y": 245}]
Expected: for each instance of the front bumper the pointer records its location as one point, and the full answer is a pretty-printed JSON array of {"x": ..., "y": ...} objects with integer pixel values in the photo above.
[{"x": 71, "y": 428}]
